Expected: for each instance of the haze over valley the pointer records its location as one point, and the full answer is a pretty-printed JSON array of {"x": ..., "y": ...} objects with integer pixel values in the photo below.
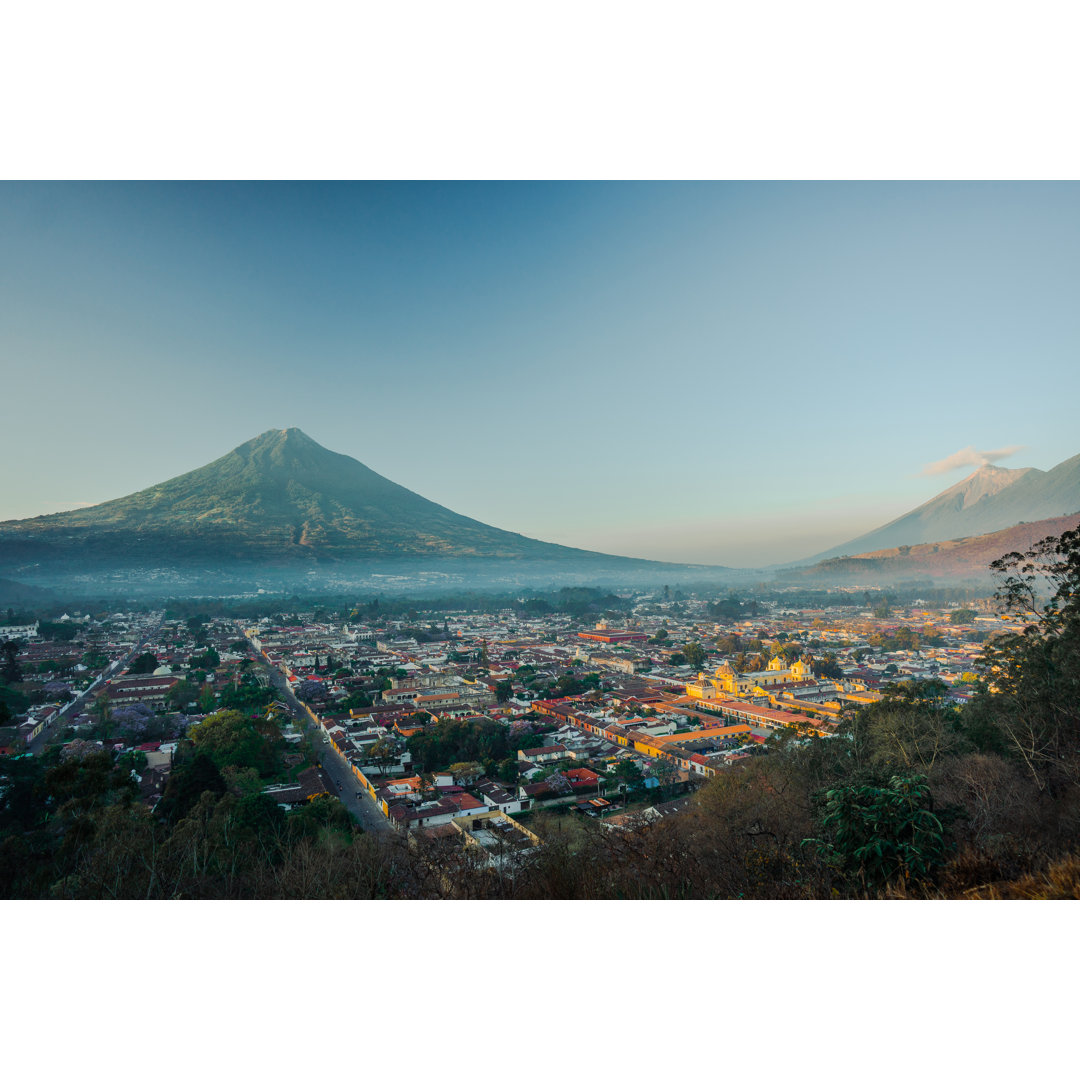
[{"x": 281, "y": 512}]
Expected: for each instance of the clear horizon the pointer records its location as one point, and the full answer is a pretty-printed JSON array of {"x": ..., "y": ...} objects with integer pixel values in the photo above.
[{"x": 728, "y": 373}]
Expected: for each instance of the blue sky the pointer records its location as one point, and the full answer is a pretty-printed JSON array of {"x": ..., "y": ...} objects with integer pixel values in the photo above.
[{"x": 731, "y": 373}]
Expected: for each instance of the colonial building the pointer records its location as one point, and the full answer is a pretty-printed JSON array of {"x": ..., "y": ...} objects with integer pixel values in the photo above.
[{"x": 726, "y": 682}]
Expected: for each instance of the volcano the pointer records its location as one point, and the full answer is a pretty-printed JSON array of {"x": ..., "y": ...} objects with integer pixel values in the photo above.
[
  {"x": 279, "y": 499},
  {"x": 989, "y": 500}
]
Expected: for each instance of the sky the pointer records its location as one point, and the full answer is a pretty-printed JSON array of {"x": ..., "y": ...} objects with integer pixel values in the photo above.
[{"x": 729, "y": 373}]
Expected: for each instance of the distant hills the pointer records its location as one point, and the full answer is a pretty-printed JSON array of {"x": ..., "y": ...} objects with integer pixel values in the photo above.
[
  {"x": 15, "y": 592},
  {"x": 966, "y": 559},
  {"x": 990, "y": 499},
  {"x": 278, "y": 501}
]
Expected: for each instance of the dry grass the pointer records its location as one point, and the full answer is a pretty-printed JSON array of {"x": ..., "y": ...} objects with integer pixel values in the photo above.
[{"x": 1059, "y": 881}]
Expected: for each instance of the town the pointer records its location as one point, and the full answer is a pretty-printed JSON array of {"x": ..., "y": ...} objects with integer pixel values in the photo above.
[{"x": 461, "y": 727}]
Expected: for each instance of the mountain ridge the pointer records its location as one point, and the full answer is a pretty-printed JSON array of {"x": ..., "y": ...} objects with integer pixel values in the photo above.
[{"x": 967, "y": 557}]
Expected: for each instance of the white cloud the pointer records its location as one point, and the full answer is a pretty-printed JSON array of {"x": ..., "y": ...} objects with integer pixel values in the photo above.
[{"x": 968, "y": 456}]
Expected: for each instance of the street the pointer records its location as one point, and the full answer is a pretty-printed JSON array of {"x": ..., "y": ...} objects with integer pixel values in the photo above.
[
  {"x": 38, "y": 745},
  {"x": 339, "y": 777}
]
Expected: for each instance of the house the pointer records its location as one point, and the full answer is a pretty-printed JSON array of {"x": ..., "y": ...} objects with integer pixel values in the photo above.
[
  {"x": 650, "y": 815},
  {"x": 408, "y": 788},
  {"x": 583, "y": 780},
  {"x": 440, "y": 812},
  {"x": 501, "y": 838},
  {"x": 152, "y": 782},
  {"x": 150, "y": 689},
  {"x": 28, "y": 730},
  {"x": 612, "y": 637},
  {"x": 542, "y": 755},
  {"x": 308, "y": 784},
  {"x": 558, "y": 788},
  {"x": 499, "y": 798},
  {"x": 8, "y": 741}
]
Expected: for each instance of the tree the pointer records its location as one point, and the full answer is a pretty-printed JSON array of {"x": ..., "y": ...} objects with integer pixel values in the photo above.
[
  {"x": 910, "y": 729},
  {"x": 205, "y": 661},
  {"x": 78, "y": 749},
  {"x": 10, "y": 671},
  {"x": 382, "y": 752},
  {"x": 665, "y": 770},
  {"x": 629, "y": 772},
  {"x": 467, "y": 771},
  {"x": 230, "y": 738},
  {"x": 750, "y": 661},
  {"x": 182, "y": 694},
  {"x": 311, "y": 690},
  {"x": 1032, "y": 678},
  {"x": 355, "y": 701},
  {"x": 882, "y": 607},
  {"x": 730, "y": 610},
  {"x": 558, "y": 784},
  {"x": 60, "y": 631},
  {"x": 790, "y": 653},
  {"x": 828, "y": 667},
  {"x": 144, "y": 664},
  {"x": 880, "y": 835},
  {"x": 962, "y": 617},
  {"x": 187, "y": 782},
  {"x": 695, "y": 655},
  {"x": 132, "y": 720},
  {"x": 207, "y": 698},
  {"x": 521, "y": 735},
  {"x": 503, "y": 690},
  {"x": 102, "y": 710}
]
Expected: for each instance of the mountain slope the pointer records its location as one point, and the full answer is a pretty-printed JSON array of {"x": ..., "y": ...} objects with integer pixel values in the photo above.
[
  {"x": 967, "y": 559},
  {"x": 280, "y": 498},
  {"x": 990, "y": 499}
]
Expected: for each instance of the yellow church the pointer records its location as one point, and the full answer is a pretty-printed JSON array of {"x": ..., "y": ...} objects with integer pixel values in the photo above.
[{"x": 727, "y": 682}]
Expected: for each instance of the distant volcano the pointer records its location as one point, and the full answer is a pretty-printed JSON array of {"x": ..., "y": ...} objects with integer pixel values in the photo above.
[
  {"x": 990, "y": 499},
  {"x": 280, "y": 499}
]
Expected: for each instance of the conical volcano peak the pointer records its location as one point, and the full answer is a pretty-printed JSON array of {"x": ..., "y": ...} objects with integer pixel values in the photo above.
[
  {"x": 292, "y": 436},
  {"x": 997, "y": 472},
  {"x": 279, "y": 497},
  {"x": 283, "y": 448},
  {"x": 984, "y": 481}
]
